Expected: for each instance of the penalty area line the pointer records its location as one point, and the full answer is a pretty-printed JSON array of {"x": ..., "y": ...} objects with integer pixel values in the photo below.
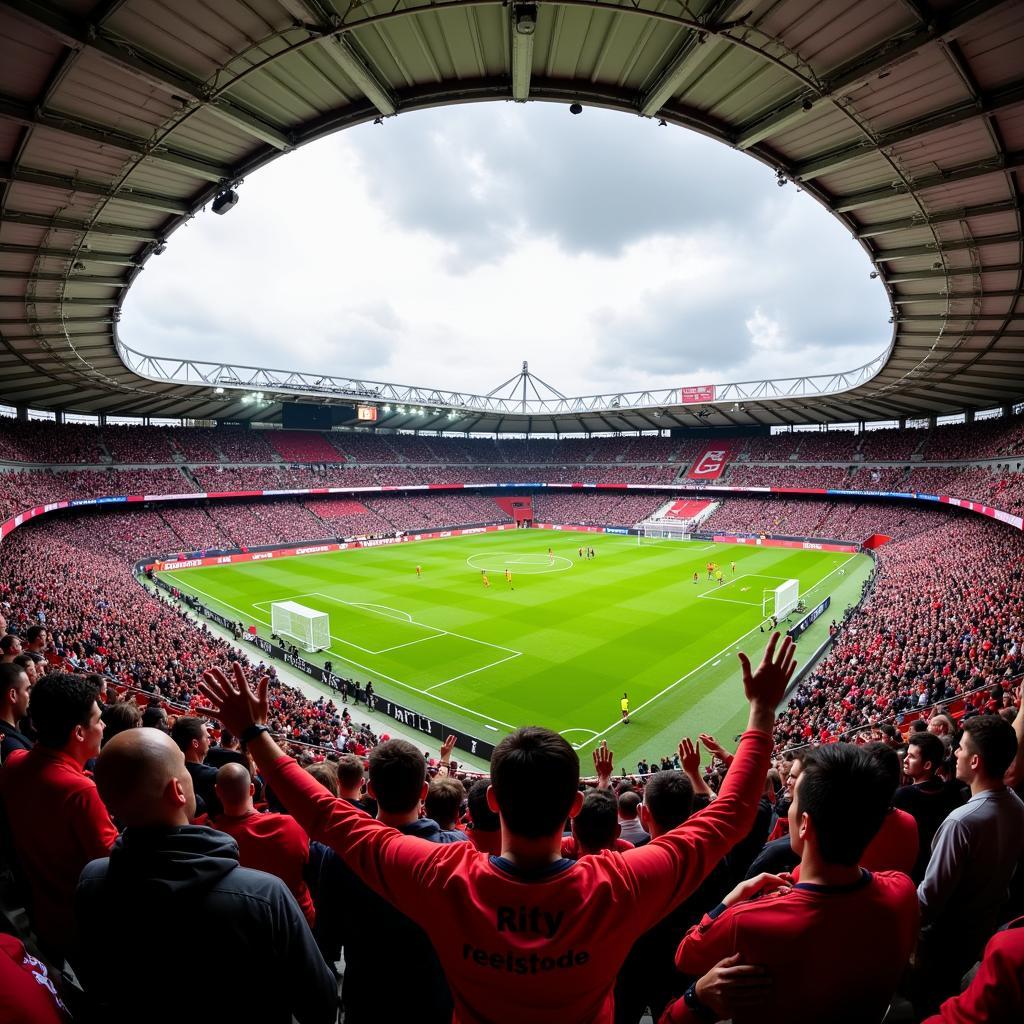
[{"x": 479, "y": 715}]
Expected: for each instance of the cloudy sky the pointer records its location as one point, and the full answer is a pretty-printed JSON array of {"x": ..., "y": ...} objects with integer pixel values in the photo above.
[{"x": 441, "y": 248}]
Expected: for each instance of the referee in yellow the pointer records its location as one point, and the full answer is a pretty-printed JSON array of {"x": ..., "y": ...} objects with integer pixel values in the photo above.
[{"x": 624, "y": 704}]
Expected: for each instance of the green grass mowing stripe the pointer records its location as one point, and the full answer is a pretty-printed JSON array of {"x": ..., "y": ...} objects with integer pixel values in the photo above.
[
  {"x": 629, "y": 619},
  {"x": 347, "y": 660}
]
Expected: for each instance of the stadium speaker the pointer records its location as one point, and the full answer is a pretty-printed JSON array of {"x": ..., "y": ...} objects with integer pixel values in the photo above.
[{"x": 225, "y": 201}]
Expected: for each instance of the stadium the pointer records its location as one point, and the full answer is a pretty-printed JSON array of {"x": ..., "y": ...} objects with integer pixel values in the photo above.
[{"x": 429, "y": 699}]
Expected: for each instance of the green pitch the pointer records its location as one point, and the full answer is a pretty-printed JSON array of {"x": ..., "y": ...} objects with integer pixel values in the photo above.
[{"x": 558, "y": 645}]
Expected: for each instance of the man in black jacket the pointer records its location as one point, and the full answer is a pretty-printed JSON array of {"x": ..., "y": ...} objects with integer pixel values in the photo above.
[{"x": 173, "y": 894}]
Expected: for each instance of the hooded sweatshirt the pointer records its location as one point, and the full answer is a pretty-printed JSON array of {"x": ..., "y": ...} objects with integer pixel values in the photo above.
[{"x": 176, "y": 899}]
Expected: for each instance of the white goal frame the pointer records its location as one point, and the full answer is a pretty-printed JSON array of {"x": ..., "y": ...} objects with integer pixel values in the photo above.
[
  {"x": 656, "y": 530},
  {"x": 780, "y": 601},
  {"x": 310, "y": 629}
]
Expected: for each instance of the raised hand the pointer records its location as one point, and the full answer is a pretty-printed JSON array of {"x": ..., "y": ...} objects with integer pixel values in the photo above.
[
  {"x": 689, "y": 756},
  {"x": 766, "y": 686},
  {"x": 603, "y": 764},
  {"x": 713, "y": 746},
  {"x": 233, "y": 702},
  {"x": 446, "y": 749}
]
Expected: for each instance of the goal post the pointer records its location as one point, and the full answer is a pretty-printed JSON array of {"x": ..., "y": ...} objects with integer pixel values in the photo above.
[
  {"x": 781, "y": 600},
  {"x": 655, "y": 531},
  {"x": 309, "y": 628}
]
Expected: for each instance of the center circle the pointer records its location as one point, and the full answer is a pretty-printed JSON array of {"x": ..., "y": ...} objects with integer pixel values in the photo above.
[{"x": 529, "y": 565}]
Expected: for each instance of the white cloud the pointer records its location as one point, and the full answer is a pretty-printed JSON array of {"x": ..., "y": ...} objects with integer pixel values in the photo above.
[{"x": 443, "y": 247}]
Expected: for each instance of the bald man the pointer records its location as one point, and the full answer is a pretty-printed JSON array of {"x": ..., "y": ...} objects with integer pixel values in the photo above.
[
  {"x": 274, "y": 843},
  {"x": 174, "y": 894}
]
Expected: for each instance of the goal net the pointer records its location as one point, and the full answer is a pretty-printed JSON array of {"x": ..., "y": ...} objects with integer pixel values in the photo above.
[
  {"x": 656, "y": 531},
  {"x": 781, "y": 600},
  {"x": 310, "y": 629}
]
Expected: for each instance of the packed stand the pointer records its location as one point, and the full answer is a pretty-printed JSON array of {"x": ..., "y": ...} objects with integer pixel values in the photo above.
[
  {"x": 942, "y": 618},
  {"x": 594, "y": 509},
  {"x": 436, "y": 512}
]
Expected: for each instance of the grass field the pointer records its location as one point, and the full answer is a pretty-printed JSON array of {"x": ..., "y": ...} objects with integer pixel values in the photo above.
[{"x": 560, "y": 645}]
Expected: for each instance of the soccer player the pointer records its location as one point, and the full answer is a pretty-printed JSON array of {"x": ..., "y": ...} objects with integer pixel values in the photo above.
[
  {"x": 551, "y": 557},
  {"x": 711, "y": 570},
  {"x": 733, "y": 564},
  {"x": 719, "y": 577},
  {"x": 508, "y": 578},
  {"x": 486, "y": 581},
  {"x": 419, "y": 571},
  {"x": 581, "y": 551},
  {"x": 696, "y": 577},
  {"x": 624, "y": 705}
]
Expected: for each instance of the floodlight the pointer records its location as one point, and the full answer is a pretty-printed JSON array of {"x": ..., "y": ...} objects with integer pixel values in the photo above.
[
  {"x": 225, "y": 201},
  {"x": 218, "y": 391},
  {"x": 387, "y": 408}
]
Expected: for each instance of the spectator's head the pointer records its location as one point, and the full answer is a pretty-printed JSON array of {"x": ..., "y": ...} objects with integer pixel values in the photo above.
[
  {"x": 229, "y": 741},
  {"x": 154, "y": 717},
  {"x": 986, "y": 749},
  {"x": 444, "y": 801},
  {"x": 918, "y": 725},
  {"x": 142, "y": 778},
  {"x": 888, "y": 762},
  {"x": 535, "y": 776},
  {"x": 629, "y": 805},
  {"x": 925, "y": 753},
  {"x": 193, "y": 737},
  {"x": 350, "y": 776},
  {"x": 668, "y": 801},
  {"x": 596, "y": 824},
  {"x": 326, "y": 774},
  {"x": 35, "y": 639},
  {"x": 10, "y": 647},
  {"x": 398, "y": 779},
  {"x": 235, "y": 789},
  {"x": 29, "y": 665},
  {"x": 480, "y": 813},
  {"x": 15, "y": 687},
  {"x": 119, "y": 717},
  {"x": 839, "y": 802},
  {"x": 794, "y": 768},
  {"x": 941, "y": 725},
  {"x": 66, "y": 716}
]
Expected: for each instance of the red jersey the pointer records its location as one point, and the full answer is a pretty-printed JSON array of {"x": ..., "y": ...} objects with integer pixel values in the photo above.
[
  {"x": 852, "y": 944},
  {"x": 59, "y": 824},
  {"x": 549, "y": 943},
  {"x": 276, "y": 844},
  {"x": 997, "y": 991},
  {"x": 28, "y": 992}
]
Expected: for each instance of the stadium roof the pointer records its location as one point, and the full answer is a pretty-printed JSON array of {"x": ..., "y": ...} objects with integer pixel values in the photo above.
[{"x": 120, "y": 119}]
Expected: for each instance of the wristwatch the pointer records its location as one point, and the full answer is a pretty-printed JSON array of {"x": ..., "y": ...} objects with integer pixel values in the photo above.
[
  {"x": 692, "y": 1001},
  {"x": 248, "y": 735}
]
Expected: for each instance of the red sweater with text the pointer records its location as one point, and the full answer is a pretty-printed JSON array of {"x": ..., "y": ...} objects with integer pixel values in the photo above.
[
  {"x": 851, "y": 943},
  {"x": 543, "y": 947},
  {"x": 996, "y": 995},
  {"x": 59, "y": 824},
  {"x": 274, "y": 843},
  {"x": 26, "y": 991}
]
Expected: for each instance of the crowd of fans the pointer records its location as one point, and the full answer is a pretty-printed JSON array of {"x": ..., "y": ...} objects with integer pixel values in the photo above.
[
  {"x": 871, "y": 862},
  {"x": 76, "y": 444}
]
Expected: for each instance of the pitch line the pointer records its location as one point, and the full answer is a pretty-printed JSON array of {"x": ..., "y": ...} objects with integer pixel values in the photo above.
[
  {"x": 349, "y": 661},
  {"x": 473, "y": 671},
  {"x": 703, "y": 664}
]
